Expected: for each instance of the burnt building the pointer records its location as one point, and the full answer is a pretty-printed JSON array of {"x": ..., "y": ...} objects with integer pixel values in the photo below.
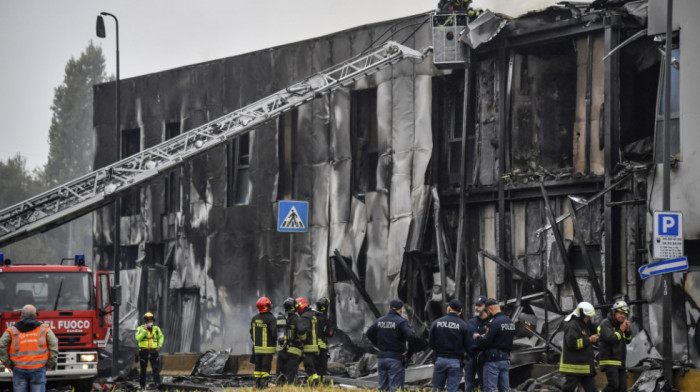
[{"x": 432, "y": 179}]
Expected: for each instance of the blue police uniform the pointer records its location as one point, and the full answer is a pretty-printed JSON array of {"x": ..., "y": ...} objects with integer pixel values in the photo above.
[
  {"x": 475, "y": 325},
  {"x": 449, "y": 338},
  {"x": 390, "y": 334},
  {"x": 496, "y": 346}
]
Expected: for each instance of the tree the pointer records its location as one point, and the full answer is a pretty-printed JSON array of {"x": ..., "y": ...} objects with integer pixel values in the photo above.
[
  {"x": 70, "y": 135},
  {"x": 70, "y": 156},
  {"x": 17, "y": 184}
]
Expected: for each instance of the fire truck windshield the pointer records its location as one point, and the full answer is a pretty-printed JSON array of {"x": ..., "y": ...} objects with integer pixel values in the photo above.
[{"x": 46, "y": 290}]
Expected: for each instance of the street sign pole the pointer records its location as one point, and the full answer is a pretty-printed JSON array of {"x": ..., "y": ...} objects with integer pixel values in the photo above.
[
  {"x": 292, "y": 217},
  {"x": 668, "y": 278}
]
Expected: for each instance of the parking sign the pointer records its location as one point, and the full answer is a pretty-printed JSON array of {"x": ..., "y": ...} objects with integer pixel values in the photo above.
[{"x": 668, "y": 234}]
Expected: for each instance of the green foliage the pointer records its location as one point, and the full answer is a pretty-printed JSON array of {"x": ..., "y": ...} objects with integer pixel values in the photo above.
[
  {"x": 70, "y": 156},
  {"x": 71, "y": 132},
  {"x": 16, "y": 182}
]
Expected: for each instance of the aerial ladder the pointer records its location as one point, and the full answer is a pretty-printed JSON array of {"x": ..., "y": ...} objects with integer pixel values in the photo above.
[{"x": 99, "y": 188}]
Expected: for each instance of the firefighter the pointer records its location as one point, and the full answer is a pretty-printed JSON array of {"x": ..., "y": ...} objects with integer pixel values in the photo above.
[
  {"x": 28, "y": 350},
  {"x": 149, "y": 338},
  {"x": 311, "y": 348},
  {"x": 495, "y": 345},
  {"x": 290, "y": 344},
  {"x": 325, "y": 332},
  {"x": 615, "y": 335},
  {"x": 453, "y": 5},
  {"x": 449, "y": 338},
  {"x": 476, "y": 324},
  {"x": 391, "y": 334},
  {"x": 263, "y": 329},
  {"x": 577, "y": 352}
]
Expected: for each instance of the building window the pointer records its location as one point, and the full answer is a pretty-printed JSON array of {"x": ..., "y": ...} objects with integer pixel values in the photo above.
[
  {"x": 172, "y": 180},
  {"x": 364, "y": 140},
  {"x": 448, "y": 109},
  {"x": 238, "y": 183},
  {"x": 287, "y": 128},
  {"x": 131, "y": 144},
  {"x": 675, "y": 126}
]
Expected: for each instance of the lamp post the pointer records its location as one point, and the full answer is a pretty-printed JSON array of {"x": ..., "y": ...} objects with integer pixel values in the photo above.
[{"x": 116, "y": 289}]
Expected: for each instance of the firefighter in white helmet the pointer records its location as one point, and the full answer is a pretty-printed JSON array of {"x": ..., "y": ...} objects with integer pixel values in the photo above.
[{"x": 577, "y": 352}]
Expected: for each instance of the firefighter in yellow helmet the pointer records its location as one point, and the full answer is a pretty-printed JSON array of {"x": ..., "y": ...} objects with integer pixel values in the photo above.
[
  {"x": 149, "y": 337},
  {"x": 263, "y": 332},
  {"x": 615, "y": 335}
]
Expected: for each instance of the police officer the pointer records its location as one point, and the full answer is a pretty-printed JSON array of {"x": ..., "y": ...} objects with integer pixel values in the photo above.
[
  {"x": 615, "y": 335},
  {"x": 324, "y": 333},
  {"x": 262, "y": 331},
  {"x": 390, "y": 334},
  {"x": 290, "y": 344},
  {"x": 577, "y": 352},
  {"x": 311, "y": 348},
  {"x": 449, "y": 338},
  {"x": 496, "y": 344},
  {"x": 150, "y": 339},
  {"x": 476, "y": 324}
]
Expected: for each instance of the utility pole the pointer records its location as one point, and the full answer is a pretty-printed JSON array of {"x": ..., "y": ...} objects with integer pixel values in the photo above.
[{"x": 668, "y": 278}]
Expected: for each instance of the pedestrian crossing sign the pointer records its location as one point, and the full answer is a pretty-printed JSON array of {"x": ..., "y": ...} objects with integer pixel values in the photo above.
[{"x": 292, "y": 216}]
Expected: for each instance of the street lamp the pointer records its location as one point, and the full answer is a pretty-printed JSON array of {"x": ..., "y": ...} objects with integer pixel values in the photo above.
[{"x": 116, "y": 289}]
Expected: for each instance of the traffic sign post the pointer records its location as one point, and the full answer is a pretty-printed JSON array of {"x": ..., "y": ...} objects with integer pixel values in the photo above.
[
  {"x": 663, "y": 267},
  {"x": 292, "y": 217}
]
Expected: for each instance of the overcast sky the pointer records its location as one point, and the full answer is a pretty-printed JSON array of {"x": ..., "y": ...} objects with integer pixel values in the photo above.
[{"x": 38, "y": 37}]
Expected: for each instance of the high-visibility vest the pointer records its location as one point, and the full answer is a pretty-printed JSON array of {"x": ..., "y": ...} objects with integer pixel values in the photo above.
[
  {"x": 149, "y": 339},
  {"x": 29, "y": 350}
]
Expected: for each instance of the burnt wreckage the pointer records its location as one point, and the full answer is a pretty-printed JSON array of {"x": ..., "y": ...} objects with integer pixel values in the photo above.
[{"x": 427, "y": 180}]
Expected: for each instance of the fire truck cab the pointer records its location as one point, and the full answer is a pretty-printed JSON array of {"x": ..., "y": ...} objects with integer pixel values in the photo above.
[{"x": 74, "y": 301}]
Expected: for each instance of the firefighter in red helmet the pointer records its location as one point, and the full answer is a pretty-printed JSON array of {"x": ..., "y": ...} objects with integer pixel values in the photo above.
[
  {"x": 263, "y": 332},
  {"x": 311, "y": 348}
]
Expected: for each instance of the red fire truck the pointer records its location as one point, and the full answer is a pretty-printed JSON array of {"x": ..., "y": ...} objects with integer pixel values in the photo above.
[{"x": 74, "y": 301}]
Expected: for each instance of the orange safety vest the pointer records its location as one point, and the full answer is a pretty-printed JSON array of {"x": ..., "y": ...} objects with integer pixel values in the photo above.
[{"x": 29, "y": 350}]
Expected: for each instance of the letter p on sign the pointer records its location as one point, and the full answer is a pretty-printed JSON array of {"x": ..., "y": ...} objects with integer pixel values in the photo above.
[{"x": 668, "y": 224}]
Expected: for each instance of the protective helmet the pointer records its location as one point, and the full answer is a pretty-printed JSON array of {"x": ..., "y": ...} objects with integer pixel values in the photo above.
[
  {"x": 263, "y": 304},
  {"x": 290, "y": 304},
  {"x": 148, "y": 316},
  {"x": 322, "y": 304},
  {"x": 302, "y": 304},
  {"x": 621, "y": 306},
  {"x": 585, "y": 309}
]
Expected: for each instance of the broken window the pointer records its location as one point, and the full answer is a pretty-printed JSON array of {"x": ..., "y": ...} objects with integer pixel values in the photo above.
[
  {"x": 172, "y": 180},
  {"x": 543, "y": 107},
  {"x": 287, "y": 127},
  {"x": 674, "y": 125},
  {"x": 131, "y": 144},
  {"x": 238, "y": 181},
  {"x": 448, "y": 109},
  {"x": 364, "y": 140}
]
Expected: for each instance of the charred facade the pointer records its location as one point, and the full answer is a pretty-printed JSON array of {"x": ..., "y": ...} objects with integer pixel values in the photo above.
[{"x": 430, "y": 182}]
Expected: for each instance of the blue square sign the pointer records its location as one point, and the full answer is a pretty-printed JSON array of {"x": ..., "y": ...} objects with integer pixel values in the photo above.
[
  {"x": 667, "y": 235},
  {"x": 667, "y": 224},
  {"x": 292, "y": 216}
]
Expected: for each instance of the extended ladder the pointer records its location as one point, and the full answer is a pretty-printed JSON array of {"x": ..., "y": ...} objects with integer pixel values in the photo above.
[{"x": 101, "y": 187}]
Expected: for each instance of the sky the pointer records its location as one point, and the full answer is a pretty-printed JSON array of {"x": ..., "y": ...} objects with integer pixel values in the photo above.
[{"x": 38, "y": 37}]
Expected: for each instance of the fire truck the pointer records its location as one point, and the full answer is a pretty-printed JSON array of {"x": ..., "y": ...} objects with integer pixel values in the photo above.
[{"x": 73, "y": 300}]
